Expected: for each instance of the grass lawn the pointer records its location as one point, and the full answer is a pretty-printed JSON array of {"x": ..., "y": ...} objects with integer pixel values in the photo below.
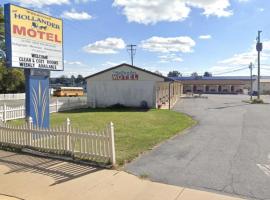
[{"x": 135, "y": 130}]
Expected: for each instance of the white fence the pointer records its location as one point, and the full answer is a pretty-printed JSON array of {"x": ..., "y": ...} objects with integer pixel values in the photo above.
[
  {"x": 10, "y": 113},
  {"x": 67, "y": 105},
  {"x": 97, "y": 146},
  {"x": 17, "y": 96}
]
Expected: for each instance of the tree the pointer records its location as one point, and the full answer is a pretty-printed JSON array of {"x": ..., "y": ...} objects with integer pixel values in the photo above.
[
  {"x": 63, "y": 79},
  {"x": 79, "y": 79},
  {"x": 207, "y": 74},
  {"x": 72, "y": 79},
  {"x": 66, "y": 81},
  {"x": 174, "y": 74},
  {"x": 194, "y": 74},
  {"x": 11, "y": 80},
  {"x": 158, "y": 73}
]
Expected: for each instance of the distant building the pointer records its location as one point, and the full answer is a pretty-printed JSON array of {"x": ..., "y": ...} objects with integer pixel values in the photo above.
[
  {"x": 265, "y": 85},
  {"x": 223, "y": 84},
  {"x": 216, "y": 84}
]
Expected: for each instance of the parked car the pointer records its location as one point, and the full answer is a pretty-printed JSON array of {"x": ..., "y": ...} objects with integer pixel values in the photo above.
[{"x": 254, "y": 93}]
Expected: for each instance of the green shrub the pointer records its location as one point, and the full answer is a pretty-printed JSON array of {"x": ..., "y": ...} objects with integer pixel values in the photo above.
[{"x": 257, "y": 101}]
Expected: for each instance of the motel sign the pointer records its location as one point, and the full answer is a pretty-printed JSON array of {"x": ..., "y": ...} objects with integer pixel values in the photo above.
[{"x": 34, "y": 42}]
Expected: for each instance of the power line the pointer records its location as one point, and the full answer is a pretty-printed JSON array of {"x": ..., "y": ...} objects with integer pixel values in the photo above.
[
  {"x": 132, "y": 51},
  {"x": 234, "y": 69},
  {"x": 239, "y": 68},
  {"x": 230, "y": 71}
]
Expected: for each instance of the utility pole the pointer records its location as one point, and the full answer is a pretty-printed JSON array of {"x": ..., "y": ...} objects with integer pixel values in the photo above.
[
  {"x": 259, "y": 48},
  {"x": 132, "y": 51},
  {"x": 251, "y": 83}
]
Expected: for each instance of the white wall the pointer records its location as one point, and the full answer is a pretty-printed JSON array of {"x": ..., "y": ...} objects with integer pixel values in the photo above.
[
  {"x": 128, "y": 93},
  {"x": 265, "y": 86}
]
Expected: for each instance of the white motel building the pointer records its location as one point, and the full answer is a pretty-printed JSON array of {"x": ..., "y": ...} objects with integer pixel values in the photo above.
[{"x": 131, "y": 86}]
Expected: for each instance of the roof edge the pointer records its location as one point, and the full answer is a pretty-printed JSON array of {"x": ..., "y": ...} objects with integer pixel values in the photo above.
[{"x": 132, "y": 66}]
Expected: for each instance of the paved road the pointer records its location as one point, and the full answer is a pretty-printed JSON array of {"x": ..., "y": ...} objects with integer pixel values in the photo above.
[{"x": 228, "y": 151}]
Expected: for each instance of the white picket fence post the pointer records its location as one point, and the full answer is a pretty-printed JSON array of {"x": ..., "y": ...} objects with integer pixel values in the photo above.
[
  {"x": 5, "y": 112},
  {"x": 56, "y": 105},
  {"x": 68, "y": 136},
  {"x": 112, "y": 147},
  {"x": 30, "y": 127}
]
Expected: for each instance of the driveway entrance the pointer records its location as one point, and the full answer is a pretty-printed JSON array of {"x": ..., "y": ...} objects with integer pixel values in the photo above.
[{"x": 228, "y": 151}]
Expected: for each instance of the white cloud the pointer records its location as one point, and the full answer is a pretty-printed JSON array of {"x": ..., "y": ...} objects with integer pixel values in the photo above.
[
  {"x": 249, "y": 56},
  {"x": 261, "y": 9},
  {"x": 74, "y": 68},
  {"x": 170, "y": 58},
  {"x": 82, "y": 1},
  {"x": 107, "y": 46},
  {"x": 153, "y": 11},
  {"x": 73, "y": 63},
  {"x": 182, "y": 44},
  {"x": 108, "y": 64},
  {"x": 41, "y": 3},
  {"x": 205, "y": 37},
  {"x": 243, "y": 59},
  {"x": 217, "y": 8},
  {"x": 74, "y": 15}
]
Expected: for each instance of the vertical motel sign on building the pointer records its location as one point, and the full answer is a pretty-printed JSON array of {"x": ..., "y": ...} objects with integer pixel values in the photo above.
[{"x": 34, "y": 42}]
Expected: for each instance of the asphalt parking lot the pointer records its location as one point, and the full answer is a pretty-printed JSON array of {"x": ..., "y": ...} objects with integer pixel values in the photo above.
[{"x": 228, "y": 151}]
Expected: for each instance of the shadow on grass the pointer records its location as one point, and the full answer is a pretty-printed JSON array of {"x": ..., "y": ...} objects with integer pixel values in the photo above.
[{"x": 84, "y": 110}]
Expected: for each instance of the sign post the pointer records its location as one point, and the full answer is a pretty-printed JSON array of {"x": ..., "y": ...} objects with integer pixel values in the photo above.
[
  {"x": 37, "y": 96},
  {"x": 34, "y": 42}
]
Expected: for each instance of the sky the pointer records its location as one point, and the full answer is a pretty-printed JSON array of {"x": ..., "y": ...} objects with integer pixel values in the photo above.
[{"x": 217, "y": 36}]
